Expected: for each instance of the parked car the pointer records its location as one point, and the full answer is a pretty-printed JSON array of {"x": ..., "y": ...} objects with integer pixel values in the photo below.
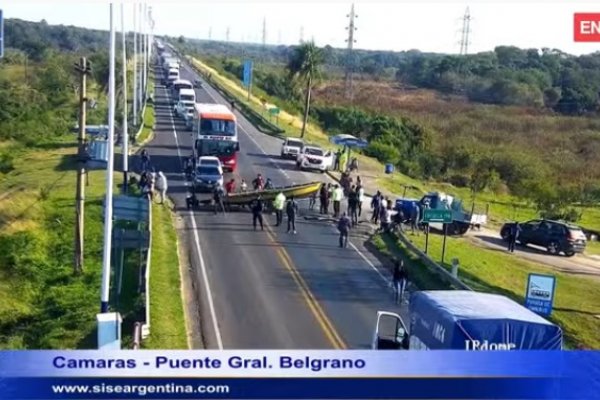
[
  {"x": 291, "y": 148},
  {"x": 207, "y": 177},
  {"x": 211, "y": 161},
  {"x": 556, "y": 236},
  {"x": 312, "y": 157}
]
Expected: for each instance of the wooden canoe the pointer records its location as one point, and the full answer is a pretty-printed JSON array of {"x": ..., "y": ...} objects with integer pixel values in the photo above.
[{"x": 298, "y": 191}]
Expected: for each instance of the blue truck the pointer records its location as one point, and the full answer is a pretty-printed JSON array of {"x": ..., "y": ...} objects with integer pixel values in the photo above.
[
  {"x": 465, "y": 320},
  {"x": 461, "y": 220}
]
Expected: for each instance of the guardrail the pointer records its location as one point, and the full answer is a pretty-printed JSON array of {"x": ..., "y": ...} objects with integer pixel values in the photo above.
[
  {"x": 146, "y": 324},
  {"x": 433, "y": 266}
]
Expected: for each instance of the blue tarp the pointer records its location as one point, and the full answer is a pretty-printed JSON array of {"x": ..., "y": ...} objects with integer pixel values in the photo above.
[{"x": 456, "y": 319}]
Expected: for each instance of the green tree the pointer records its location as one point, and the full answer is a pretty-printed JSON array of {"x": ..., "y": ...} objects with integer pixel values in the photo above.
[{"x": 303, "y": 67}]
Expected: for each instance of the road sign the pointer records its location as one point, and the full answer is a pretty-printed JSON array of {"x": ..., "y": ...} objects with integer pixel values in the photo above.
[
  {"x": 540, "y": 293},
  {"x": 586, "y": 27},
  {"x": 274, "y": 111},
  {"x": 440, "y": 216},
  {"x": 247, "y": 79},
  {"x": 1, "y": 34}
]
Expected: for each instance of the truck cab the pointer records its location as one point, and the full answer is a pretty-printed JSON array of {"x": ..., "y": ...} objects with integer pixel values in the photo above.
[{"x": 464, "y": 320}]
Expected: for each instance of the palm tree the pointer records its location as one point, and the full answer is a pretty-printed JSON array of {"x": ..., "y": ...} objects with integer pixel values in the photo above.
[{"x": 303, "y": 67}]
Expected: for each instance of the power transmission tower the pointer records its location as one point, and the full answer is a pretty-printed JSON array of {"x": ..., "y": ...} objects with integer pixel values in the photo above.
[
  {"x": 279, "y": 37},
  {"x": 84, "y": 69},
  {"x": 301, "y": 34},
  {"x": 227, "y": 34},
  {"x": 466, "y": 30},
  {"x": 210, "y": 33},
  {"x": 349, "y": 60}
]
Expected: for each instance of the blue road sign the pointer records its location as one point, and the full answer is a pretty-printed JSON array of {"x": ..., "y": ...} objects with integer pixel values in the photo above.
[
  {"x": 247, "y": 73},
  {"x": 1, "y": 35},
  {"x": 540, "y": 293}
]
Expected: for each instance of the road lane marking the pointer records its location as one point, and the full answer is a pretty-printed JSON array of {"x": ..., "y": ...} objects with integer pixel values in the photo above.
[
  {"x": 324, "y": 322},
  {"x": 360, "y": 253},
  {"x": 209, "y": 295}
]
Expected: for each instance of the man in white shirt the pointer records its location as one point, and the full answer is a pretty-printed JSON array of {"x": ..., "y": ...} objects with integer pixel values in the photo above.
[
  {"x": 338, "y": 196},
  {"x": 361, "y": 197}
]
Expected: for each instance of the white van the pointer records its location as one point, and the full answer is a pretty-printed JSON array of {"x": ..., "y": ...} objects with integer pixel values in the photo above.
[
  {"x": 172, "y": 76},
  {"x": 177, "y": 86},
  {"x": 187, "y": 95}
]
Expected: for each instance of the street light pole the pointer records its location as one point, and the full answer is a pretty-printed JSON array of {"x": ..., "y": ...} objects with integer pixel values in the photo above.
[
  {"x": 135, "y": 102},
  {"x": 125, "y": 138},
  {"x": 108, "y": 212}
]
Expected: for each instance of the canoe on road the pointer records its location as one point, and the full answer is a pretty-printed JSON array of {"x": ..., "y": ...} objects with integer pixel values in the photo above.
[{"x": 298, "y": 191}]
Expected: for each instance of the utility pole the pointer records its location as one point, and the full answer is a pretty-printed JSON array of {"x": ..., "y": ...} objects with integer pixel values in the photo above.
[
  {"x": 466, "y": 28},
  {"x": 264, "y": 33},
  {"x": 141, "y": 55},
  {"x": 84, "y": 70},
  {"x": 349, "y": 60},
  {"x": 227, "y": 34},
  {"x": 145, "y": 66},
  {"x": 301, "y": 35},
  {"x": 135, "y": 99},
  {"x": 210, "y": 33},
  {"x": 125, "y": 137},
  {"x": 108, "y": 211}
]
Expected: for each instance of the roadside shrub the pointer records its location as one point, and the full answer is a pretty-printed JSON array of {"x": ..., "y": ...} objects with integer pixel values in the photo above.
[
  {"x": 459, "y": 180},
  {"x": 384, "y": 152}
]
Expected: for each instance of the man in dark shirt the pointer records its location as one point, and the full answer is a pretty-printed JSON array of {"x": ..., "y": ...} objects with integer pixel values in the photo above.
[
  {"x": 343, "y": 226},
  {"x": 257, "y": 207},
  {"x": 353, "y": 205},
  {"x": 375, "y": 206},
  {"x": 291, "y": 210}
]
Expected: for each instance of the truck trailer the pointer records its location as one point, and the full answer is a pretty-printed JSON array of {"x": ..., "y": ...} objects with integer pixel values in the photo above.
[{"x": 465, "y": 320}]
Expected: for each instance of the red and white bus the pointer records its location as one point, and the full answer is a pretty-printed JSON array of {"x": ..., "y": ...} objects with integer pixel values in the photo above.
[{"x": 215, "y": 129}]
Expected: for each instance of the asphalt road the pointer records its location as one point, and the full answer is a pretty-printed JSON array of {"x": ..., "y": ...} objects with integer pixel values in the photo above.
[{"x": 269, "y": 289}]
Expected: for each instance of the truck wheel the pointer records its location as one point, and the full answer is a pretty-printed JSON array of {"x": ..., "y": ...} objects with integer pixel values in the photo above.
[{"x": 569, "y": 253}]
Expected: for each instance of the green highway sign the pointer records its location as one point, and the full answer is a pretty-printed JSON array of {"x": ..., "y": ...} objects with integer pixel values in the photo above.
[
  {"x": 443, "y": 216},
  {"x": 274, "y": 111}
]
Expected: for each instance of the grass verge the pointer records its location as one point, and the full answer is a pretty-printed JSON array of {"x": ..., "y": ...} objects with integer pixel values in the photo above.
[
  {"x": 496, "y": 271},
  {"x": 43, "y": 305},
  {"x": 167, "y": 324}
]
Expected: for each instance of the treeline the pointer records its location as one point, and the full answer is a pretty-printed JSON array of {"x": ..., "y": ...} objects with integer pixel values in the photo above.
[
  {"x": 544, "y": 78},
  {"x": 38, "y": 83}
]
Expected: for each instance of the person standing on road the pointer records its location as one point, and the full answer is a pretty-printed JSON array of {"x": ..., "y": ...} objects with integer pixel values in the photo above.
[
  {"x": 375, "y": 204},
  {"x": 218, "y": 195},
  {"x": 291, "y": 210},
  {"x": 360, "y": 195},
  {"x": 513, "y": 235},
  {"x": 257, "y": 207},
  {"x": 312, "y": 201},
  {"x": 343, "y": 226},
  {"x": 161, "y": 186},
  {"x": 400, "y": 280},
  {"x": 230, "y": 186},
  {"x": 338, "y": 196},
  {"x": 353, "y": 205},
  {"x": 414, "y": 218},
  {"x": 324, "y": 198},
  {"x": 278, "y": 204},
  {"x": 145, "y": 160},
  {"x": 258, "y": 183},
  {"x": 243, "y": 186}
]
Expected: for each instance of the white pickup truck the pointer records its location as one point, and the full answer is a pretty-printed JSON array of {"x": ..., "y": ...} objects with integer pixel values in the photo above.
[
  {"x": 314, "y": 158},
  {"x": 291, "y": 148}
]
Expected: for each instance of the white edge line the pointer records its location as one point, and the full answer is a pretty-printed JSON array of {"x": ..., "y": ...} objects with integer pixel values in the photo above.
[
  {"x": 211, "y": 306},
  {"x": 386, "y": 280}
]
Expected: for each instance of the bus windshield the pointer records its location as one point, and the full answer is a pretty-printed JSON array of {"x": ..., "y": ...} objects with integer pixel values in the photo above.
[
  {"x": 217, "y": 127},
  {"x": 216, "y": 148}
]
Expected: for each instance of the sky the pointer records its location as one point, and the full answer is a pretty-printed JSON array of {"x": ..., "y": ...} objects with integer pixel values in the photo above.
[{"x": 385, "y": 25}]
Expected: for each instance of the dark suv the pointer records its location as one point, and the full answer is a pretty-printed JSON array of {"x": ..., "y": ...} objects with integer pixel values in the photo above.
[{"x": 555, "y": 236}]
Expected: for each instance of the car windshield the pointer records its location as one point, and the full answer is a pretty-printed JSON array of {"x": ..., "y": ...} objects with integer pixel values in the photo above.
[
  {"x": 208, "y": 170},
  {"x": 314, "y": 152},
  {"x": 294, "y": 143},
  {"x": 217, "y": 127},
  {"x": 210, "y": 162},
  {"x": 186, "y": 97}
]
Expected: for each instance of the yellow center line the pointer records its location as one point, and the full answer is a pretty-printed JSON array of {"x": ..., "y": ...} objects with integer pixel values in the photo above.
[{"x": 324, "y": 322}]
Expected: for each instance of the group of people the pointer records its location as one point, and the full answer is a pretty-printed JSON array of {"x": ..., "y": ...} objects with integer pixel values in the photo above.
[
  {"x": 334, "y": 193},
  {"x": 341, "y": 164},
  {"x": 150, "y": 180}
]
